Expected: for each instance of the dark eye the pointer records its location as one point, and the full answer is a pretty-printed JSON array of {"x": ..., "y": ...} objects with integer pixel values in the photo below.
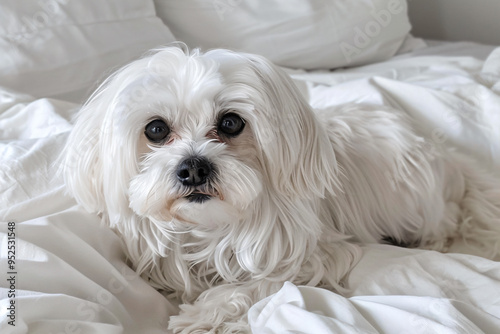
[
  {"x": 156, "y": 131},
  {"x": 231, "y": 125}
]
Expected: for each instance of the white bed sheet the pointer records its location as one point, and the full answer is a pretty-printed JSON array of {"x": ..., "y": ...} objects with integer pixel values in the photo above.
[{"x": 71, "y": 271}]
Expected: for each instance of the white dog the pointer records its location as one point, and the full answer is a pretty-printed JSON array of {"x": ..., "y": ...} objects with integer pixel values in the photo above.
[{"x": 224, "y": 183}]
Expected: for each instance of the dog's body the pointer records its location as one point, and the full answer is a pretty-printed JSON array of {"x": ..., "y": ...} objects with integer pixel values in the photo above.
[{"x": 224, "y": 184}]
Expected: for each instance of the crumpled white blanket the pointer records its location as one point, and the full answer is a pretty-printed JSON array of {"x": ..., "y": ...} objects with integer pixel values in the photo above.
[
  {"x": 71, "y": 272},
  {"x": 393, "y": 291}
]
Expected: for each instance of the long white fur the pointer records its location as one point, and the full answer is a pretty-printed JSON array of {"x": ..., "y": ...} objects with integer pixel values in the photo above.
[{"x": 296, "y": 191}]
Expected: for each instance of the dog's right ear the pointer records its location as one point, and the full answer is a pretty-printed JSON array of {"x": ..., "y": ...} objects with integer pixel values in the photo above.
[
  {"x": 91, "y": 149},
  {"x": 82, "y": 163}
]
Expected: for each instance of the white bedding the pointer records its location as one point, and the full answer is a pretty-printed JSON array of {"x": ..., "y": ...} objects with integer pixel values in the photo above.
[{"x": 71, "y": 275}]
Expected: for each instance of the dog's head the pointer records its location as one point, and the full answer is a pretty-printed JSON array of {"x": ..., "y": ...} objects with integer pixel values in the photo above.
[{"x": 196, "y": 138}]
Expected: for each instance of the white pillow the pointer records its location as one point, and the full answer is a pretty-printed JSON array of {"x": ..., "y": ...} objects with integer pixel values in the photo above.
[
  {"x": 60, "y": 48},
  {"x": 309, "y": 34}
]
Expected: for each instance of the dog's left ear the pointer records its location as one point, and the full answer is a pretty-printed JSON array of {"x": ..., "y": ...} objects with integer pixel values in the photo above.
[{"x": 298, "y": 155}]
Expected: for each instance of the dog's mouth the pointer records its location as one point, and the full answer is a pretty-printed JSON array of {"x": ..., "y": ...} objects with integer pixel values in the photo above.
[{"x": 198, "y": 196}]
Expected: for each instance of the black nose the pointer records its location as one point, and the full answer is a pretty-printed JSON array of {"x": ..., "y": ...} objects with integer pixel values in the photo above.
[{"x": 194, "y": 171}]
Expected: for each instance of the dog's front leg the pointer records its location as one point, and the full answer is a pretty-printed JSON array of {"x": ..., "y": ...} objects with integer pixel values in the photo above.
[{"x": 222, "y": 309}]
